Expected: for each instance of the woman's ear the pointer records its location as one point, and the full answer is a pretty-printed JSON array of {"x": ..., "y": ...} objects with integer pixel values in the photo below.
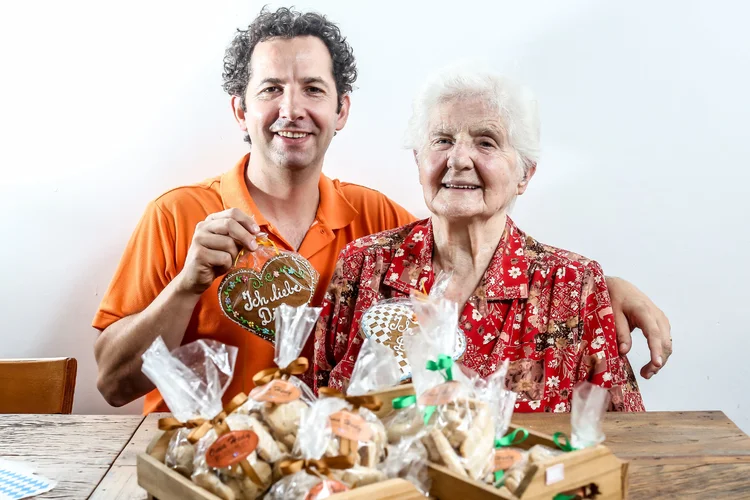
[
  {"x": 416, "y": 160},
  {"x": 524, "y": 182}
]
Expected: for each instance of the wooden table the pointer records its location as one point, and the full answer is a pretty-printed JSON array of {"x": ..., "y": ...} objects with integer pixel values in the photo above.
[
  {"x": 74, "y": 450},
  {"x": 671, "y": 454}
]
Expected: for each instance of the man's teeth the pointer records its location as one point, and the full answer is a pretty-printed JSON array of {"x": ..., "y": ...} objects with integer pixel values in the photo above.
[
  {"x": 292, "y": 135},
  {"x": 456, "y": 186}
]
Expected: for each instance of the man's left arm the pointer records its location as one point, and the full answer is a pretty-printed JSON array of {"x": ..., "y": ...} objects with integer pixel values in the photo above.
[{"x": 633, "y": 309}]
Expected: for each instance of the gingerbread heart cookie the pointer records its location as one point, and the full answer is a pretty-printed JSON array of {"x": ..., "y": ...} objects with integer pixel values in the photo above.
[
  {"x": 388, "y": 322},
  {"x": 249, "y": 297}
]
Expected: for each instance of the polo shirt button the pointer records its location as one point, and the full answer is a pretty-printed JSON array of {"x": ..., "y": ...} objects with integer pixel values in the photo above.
[{"x": 322, "y": 231}]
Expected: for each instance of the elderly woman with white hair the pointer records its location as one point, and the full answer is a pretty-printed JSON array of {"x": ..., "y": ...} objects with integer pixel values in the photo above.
[{"x": 475, "y": 138}]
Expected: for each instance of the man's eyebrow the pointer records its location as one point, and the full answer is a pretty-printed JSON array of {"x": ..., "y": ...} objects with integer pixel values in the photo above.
[
  {"x": 272, "y": 81},
  {"x": 315, "y": 79}
]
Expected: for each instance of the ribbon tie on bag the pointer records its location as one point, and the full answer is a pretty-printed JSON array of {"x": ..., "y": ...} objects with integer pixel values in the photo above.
[
  {"x": 296, "y": 367},
  {"x": 370, "y": 402},
  {"x": 200, "y": 427},
  {"x": 443, "y": 364},
  {"x": 564, "y": 446},
  {"x": 509, "y": 440},
  {"x": 512, "y": 438},
  {"x": 402, "y": 402},
  {"x": 312, "y": 466}
]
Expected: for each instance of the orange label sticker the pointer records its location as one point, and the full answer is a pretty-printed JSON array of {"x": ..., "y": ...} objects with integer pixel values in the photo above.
[
  {"x": 325, "y": 489},
  {"x": 276, "y": 391},
  {"x": 231, "y": 449},
  {"x": 440, "y": 394},
  {"x": 347, "y": 425},
  {"x": 505, "y": 458}
]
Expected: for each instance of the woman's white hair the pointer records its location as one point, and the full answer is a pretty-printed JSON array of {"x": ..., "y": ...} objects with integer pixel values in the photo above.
[{"x": 515, "y": 104}]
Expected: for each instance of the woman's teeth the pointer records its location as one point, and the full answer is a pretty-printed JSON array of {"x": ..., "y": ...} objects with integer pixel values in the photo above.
[
  {"x": 293, "y": 135},
  {"x": 456, "y": 186}
]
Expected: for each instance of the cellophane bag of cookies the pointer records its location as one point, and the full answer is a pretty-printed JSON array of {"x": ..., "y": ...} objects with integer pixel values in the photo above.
[
  {"x": 260, "y": 281},
  {"x": 389, "y": 321},
  {"x": 280, "y": 396},
  {"x": 311, "y": 472},
  {"x": 356, "y": 431},
  {"x": 587, "y": 411},
  {"x": 408, "y": 459},
  {"x": 192, "y": 380},
  {"x": 461, "y": 428},
  {"x": 493, "y": 391}
]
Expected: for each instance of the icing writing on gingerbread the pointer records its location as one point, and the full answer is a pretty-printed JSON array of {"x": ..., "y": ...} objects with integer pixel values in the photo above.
[{"x": 260, "y": 303}]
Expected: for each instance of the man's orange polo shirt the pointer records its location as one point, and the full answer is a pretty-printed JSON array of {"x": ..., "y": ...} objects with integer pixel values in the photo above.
[{"x": 157, "y": 250}]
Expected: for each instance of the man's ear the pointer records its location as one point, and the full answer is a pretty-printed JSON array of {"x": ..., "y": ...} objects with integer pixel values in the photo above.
[
  {"x": 524, "y": 182},
  {"x": 343, "y": 112},
  {"x": 239, "y": 113}
]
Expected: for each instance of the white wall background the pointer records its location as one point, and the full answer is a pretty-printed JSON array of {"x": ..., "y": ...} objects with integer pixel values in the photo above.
[{"x": 645, "y": 111}]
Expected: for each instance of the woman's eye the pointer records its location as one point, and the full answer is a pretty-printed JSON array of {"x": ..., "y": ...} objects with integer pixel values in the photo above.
[{"x": 487, "y": 144}]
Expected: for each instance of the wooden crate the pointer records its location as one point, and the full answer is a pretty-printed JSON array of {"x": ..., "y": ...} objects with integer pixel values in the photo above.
[
  {"x": 163, "y": 483},
  {"x": 596, "y": 465}
]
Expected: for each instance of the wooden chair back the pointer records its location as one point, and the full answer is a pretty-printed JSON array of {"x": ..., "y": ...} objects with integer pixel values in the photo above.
[{"x": 37, "y": 385}]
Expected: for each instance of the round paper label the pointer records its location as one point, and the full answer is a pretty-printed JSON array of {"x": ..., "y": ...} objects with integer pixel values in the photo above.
[
  {"x": 231, "y": 448},
  {"x": 348, "y": 425},
  {"x": 506, "y": 457},
  {"x": 440, "y": 394},
  {"x": 276, "y": 391},
  {"x": 325, "y": 489}
]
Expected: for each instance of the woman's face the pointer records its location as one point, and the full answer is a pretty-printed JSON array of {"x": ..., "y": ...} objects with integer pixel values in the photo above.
[{"x": 467, "y": 168}]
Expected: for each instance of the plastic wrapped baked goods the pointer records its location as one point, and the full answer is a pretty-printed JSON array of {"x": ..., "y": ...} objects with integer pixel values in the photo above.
[
  {"x": 407, "y": 459},
  {"x": 461, "y": 430},
  {"x": 192, "y": 380},
  {"x": 312, "y": 473},
  {"x": 280, "y": 397},
  {"x": 356, "y": 430}
]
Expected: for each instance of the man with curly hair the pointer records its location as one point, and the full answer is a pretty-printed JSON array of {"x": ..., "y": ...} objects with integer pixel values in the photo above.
[{"x": 290, "y": 76}]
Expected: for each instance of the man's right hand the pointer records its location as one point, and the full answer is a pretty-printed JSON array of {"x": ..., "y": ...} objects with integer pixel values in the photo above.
[{"x": 216, "y": 243}]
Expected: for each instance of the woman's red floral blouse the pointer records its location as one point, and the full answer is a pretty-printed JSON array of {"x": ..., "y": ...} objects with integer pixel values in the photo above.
[{"x": 546, "y": 309}]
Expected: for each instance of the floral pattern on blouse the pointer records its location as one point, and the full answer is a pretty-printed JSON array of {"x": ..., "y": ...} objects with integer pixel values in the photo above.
[{"x": 546, "y": 309}]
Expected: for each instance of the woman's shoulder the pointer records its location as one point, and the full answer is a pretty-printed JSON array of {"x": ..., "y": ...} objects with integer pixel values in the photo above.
[
  {"x": 551, "y": 258},
  {"x": 384, "y": 242}
]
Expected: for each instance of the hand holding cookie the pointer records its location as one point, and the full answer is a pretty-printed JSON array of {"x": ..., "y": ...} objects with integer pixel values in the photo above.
[{"x": 216, "y": 243}]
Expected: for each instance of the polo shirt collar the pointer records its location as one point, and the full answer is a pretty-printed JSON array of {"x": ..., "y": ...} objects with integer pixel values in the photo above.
[{"x": 334, "y": 210}]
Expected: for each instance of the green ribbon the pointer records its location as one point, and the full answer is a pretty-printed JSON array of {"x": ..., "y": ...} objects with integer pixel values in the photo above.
[
  {"x": 444, "y": 362},
  {"x": 428, "y": 411},
  {"x": 499, "y": 478},
  {"x": 404, "y": 402},
  {"x": 509, "y": 440},
  {"x": 562, "y": 496},
  {"x": 512, "y": 438},
  {"x": 566, "y": 446}
]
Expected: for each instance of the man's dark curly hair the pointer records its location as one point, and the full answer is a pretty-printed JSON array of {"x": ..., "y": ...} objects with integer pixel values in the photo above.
[{"x": 287, "y": 23}]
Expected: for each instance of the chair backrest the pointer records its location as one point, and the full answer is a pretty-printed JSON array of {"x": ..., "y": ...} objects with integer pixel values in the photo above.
[{"x": 37, "y": 385}]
